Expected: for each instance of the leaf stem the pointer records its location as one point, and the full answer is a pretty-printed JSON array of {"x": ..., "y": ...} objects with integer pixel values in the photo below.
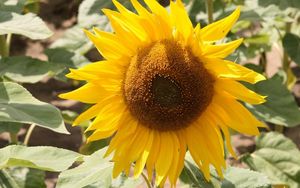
[
  {"x": 8, "y": 41},
  {"x": 279, "y": 128},
  {"x": 209, "y": 10},
  {"x": 28, "y": 134},
  {"x": 286, "y": 61},
  {"x": 13, "y": 138},
  {"x": 147, "y": 181},
  {"x": 3, "y": 46}
]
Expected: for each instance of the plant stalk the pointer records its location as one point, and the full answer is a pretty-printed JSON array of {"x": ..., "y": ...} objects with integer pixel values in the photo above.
[
  {"x": 147, "y": 181},
  {"x": 3, "y": 46},
  {"x": 209, "y": 10},
  {"x": 28, "y": 134},
  {"x": 286, "y": 61},
  {"x": 13, "y": 138}
]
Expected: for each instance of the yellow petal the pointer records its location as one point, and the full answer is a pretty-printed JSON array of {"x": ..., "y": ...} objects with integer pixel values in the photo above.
[
  {"x": 161, "y": 17},
  {"x": 98, "y": 70},
  {"x": 145, "y": 23},
  {"x": 180, "y": 19},
  {"x": 221, "y": 50},
  {"x": 136, "y": 146},
  {"x": 219, "y": 29},
  {"x": 140, "y": 164},
  {"x": 117, "y": 169},
  {"x": 130, "y": 23},
  {"x": 87, "y": 115},
  {"x": 196, "y": 150},
  {"x": 153, "y": 155},
  {"x": 227, "y": 69},
  {"x": 221, "y": 120},
  {"x": 109, "y": 49},
  {"x": 88, "y": 93},
  {"x": 176, "y": 160},
  {"x": 213, "y": 156},
  {"x": 240, "y": 119},
  {"x": 125, "y": 132},
  {"x": 111, "y": 115},
  {"x": 239, "y": 91},
  {"x": 165, "y": 157},
  {"x": 99, "y": 134},
  {"x": 121, "y": 31},
  {"x": 120, "y": 42},
  {"x": 182, "y": 152}
]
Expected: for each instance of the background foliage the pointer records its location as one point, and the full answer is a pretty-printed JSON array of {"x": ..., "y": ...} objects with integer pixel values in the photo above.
[{"x": 268, "y": 26}]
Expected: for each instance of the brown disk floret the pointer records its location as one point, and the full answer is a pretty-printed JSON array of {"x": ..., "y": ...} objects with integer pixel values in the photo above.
[{"x": 166, "y": 87}]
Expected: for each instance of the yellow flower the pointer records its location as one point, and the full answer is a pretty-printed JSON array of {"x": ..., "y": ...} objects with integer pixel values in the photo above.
[{"x": 163, "y": 88}]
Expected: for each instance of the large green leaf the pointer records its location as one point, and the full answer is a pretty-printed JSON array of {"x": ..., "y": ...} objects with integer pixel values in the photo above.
[
  {"x": 23, "y": 178},
  {"x": 282, "y": 4},
  {"x": 74, "y": 40},
  {"x": 90, "y": 14},
  {"x": 26, "y": 69},
  {"x": 11, "y": 127},
  {"x": 94, "y": 170},
  {"x": 233, "y": 177},
  {"x": 7, "y": 181},
  {"x": 66, "y": 58},
  {"x": 29, "y": 25},
  {"x": 291, "y": 44},
  {"x": 278, "y": 157},
  {"x": 280, "y": 108},
  {"x": 18, "y": 105},
  {"x": 39, "y": 157},
  {"x": 12, "y": 5}
]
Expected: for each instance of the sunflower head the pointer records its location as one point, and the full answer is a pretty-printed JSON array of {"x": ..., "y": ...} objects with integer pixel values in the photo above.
[{"x": 164, "y": 88}]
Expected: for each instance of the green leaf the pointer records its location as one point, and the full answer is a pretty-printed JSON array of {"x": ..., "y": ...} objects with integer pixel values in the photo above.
[
  {"x": 40, "y": 157},
  {"x": 66, "y": 58},
  {"x": 18, "y": 105},
  {"x": 11, "y": 127},
  {"x": 90, "y": 14},
  {"x": 73, "y": 40},
  {"x": 124, "y": 182},
  {"x": 282, "y": 4},
  {"x": 97, "y": 172},
  {"x": 29, "y": 25},
  {"x": 26, "y": 69},
  {"x": 12, "y": 5},
  {"x": 244, "y": 178},
  {"x": 278, "y": 157},
  {"x": 27, "y": 178},
  {"x": 233, "y": 177},
  {"x": 7, "y": 181},
  {"x": 291, "y": 44},
  {"x": 280, "y": 108},
  {"x": 258, "y": 39},
  {"x": 32, "y": 6},
  {"x": 95, "y": 169}
]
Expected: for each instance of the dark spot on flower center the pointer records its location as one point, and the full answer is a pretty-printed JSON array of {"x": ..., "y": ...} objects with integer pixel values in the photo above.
[
  {"x": 166, "y": 87},
  {"x": 166, "y": 92}
]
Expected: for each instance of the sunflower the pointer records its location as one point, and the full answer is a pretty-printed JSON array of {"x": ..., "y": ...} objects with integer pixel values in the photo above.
[{"x": 165, "y": 88}]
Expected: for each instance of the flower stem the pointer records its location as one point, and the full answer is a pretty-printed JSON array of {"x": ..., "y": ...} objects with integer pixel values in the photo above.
[
  {"x": 28, "y": 134},
  {"x": 147, "y": 181},
  {"x": 209, "y": 10},
  {"x": 286, "y": 61},
  {"x": 3, "y": 46},
  {"x": 13, "y": 138}
]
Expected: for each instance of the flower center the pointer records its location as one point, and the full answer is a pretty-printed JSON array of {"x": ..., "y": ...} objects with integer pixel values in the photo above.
[{"x": 166, "y": 87}]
